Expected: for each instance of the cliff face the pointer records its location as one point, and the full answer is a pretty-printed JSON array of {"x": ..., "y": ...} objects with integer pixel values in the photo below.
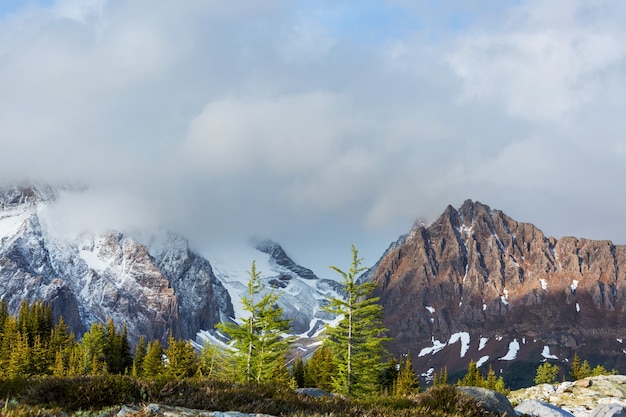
[
  {"x": 477, "y": 276},
  {"x": 94, "y": 277}
]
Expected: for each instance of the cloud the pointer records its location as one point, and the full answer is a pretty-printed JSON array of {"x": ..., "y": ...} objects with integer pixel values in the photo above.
[
  {"x": 318, "y": 124},
  {"x": 549, "y": 61}
]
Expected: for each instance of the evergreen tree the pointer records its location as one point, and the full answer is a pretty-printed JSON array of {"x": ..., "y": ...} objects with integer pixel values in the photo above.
[
  {"x": 408, "y": 383},
  {"x": 259, "y": 342},
  {"x": 140, "y": 354},
  {"x": 473, "y": 377},
  {"x": 182, "y": 360},
  {"x": 546, "y": 373},
  {"x": 580, "y": 369},
  {"x": 217, "y": 362},
  {"x": 297, "y": 371},
  {"x": 442, "y": 377},
  {"x": 357, "y": 340},
  {"x": 92, "y": 350},
  {"x": 320, "y": 368},
  {"x": 117, "y": 349},
  {"x": 153, "y": 362},
  {"x": 19, "y": 359}
]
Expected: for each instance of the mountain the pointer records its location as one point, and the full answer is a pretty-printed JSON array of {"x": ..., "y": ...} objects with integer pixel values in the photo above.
[
  {"x": 93, "y": 277},
  {"x": 478, "y": 285},
  {"x": 153, "y": 285}
]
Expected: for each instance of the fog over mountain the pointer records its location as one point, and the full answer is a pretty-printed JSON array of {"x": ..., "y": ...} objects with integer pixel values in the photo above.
[{"x": 316, "y": 124}]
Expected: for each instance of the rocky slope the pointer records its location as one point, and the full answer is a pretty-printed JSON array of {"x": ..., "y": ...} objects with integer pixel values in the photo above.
[
  {"x": 478, "y": 285},
  {"x": 154, "y": 285},
  {"x": 96, "y": 276},
  {"x": 581, "y": 398}
]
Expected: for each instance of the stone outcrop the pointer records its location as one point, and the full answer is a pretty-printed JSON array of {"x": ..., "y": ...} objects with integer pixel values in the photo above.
[
  {"x": 538, "y": 409},
  {"x": 478, "y": 272},
  {"x": 594, "y": 396},
  {"x": 490, "y": 401}
]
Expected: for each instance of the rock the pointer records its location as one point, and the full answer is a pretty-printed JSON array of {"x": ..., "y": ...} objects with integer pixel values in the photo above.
[
  {"x": 157, "y": 410},
  {"x": 578, "y": 397},
  {"x": 314, "y": 392},
  {"x": 476, "y": 270},
  {"x": 608, "y": 410},
  {"x": 538, "y": 409},
  {"x": 128, "y": 410},
  {"x": 491, "y": 401}
]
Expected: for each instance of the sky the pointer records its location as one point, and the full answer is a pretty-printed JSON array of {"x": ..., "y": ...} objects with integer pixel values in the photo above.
[{"x": 317, "y": 124}]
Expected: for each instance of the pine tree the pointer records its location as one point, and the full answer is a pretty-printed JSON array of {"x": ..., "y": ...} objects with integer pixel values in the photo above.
[
  {"x": 182, "y": 360},
  {"x": 140, "y": 354},
  {"x": 546, "y": 373},
  {"x": 580, "y": 370},
  {"x": 297, "y": 371},
  {"x": 320, "y": 368},
  {"x": 357, "y": 340},
  {"x": 217, "y": 362},
  {"x": 473, "y": 376},
  {"x": 259, "y": 342},
  {"x": 442, "y": 377},
  {"x": 92, "y": 349},
  {"x": 117, "y": 349},
  {"x": 407, "y": 383},
  {"x": 153, "y": 362}
]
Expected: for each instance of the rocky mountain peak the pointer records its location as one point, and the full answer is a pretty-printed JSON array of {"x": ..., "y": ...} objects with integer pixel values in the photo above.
[
  {"x": 26, "y": 194},
  {"x": 477, "y": 275}
]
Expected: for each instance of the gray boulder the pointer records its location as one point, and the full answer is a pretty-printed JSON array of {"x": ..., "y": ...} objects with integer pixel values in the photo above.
[
  {"x": 491, "y": 401},
  {"x": 538, "y": 409},
  {"x": 313, "y": 392},
  {"x": 608, "y": 410}
]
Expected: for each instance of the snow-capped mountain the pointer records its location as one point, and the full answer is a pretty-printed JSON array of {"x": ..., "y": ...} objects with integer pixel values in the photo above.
[
  {"x": 302, "y": 293},
  {"x": 154, "y": 285}
]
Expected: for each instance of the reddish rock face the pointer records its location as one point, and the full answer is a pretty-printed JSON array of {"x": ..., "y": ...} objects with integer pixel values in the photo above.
[{"x": 476, "y": 270}]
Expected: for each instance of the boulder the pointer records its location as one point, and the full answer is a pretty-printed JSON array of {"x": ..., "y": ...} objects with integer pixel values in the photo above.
[
  {"x": 489, "y": 400},
  {"x": 539, "y": 409},
  {"x": 608, "y": 410},
  {"x": 314, "y": 392}
]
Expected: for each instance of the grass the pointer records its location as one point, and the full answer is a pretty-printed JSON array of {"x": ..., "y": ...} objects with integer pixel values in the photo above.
[{"x": 102, "y": 396}]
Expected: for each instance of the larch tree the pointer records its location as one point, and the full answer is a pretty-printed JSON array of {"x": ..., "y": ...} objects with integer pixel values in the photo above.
[
  {"x": 357, "y": 341},
  {"x": 259, "y": 341},
  {"x": 407, "y": 383}
]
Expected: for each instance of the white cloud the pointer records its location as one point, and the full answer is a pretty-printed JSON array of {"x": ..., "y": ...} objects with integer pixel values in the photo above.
[
  {"x": 548, "y": 66},
  {"x": 259, "y": 116}
]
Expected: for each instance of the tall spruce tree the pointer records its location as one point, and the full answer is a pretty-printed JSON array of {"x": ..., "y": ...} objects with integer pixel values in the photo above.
[
  {"x": 408, "y": 383},
  {"x": 320, "y": 369},
  {"x": 357, "y": 342},
  {"x": 259, "y": 342}
]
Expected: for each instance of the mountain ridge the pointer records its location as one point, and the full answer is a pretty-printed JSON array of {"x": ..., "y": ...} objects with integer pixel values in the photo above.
[{"x": 477, "y": 274}]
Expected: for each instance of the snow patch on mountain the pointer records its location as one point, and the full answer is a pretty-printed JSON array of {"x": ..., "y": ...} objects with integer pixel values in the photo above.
[{"x": 512, "y": 353}]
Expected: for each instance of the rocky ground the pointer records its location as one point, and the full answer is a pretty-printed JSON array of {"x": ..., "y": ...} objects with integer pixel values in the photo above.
[{"x": 590, "y": 397}]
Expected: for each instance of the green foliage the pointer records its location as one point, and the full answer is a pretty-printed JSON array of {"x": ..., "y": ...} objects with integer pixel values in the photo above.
[
  {"x": 297, "y": 371},
  {"x": 140, "y": 355},
  {"x": 582, "y": 369},
  {"x": 259, "y": 342},
  {"x": 98, "y": 396},
  {"x": 357, "y": 341},
  {"x": 320, "y": 368},
  {"x": 182, "y": 360},
  {"x": 546, "y": 373},
  {"x": 445, "y": 400},
  {"x": 217, "y": 363},
  {"x": 441, "y": 378},
  {"x": 92, "y": 347},
  {"x": 153, "y": 362},
  {"x": 407, "y": 382},
  {"x": 474, "y": 378}
]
